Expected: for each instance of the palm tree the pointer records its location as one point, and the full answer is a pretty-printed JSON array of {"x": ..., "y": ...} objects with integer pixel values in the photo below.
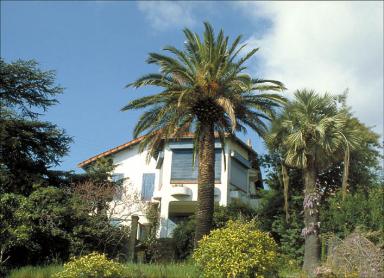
[
  {"x": 311, "y": 134},
  {"x": 204, "y": 90}
]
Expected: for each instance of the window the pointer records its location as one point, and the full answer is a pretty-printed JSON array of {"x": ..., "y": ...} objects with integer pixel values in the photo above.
[
  {"x": 239, "y": 175},
  {"x": 116, "y": 222},
  {"x": 148, "y": 186},
  {"x": 183, "y": 169},
  {"x": 144, "y": 231},
  {"x": 118, "y": 179}
]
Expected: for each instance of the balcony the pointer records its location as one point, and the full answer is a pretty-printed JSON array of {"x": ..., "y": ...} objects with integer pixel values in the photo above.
[
  {"x": 235, "y": 194},
  {"x": 216, "y": 192},
  {"x": 156, "y": 196},
  {"x": 180, "y": 191}
]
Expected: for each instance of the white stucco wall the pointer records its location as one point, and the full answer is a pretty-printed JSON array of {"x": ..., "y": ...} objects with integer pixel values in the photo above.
[{"x": 132, "y": 165}]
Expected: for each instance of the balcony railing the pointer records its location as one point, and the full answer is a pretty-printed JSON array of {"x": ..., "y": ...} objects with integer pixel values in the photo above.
[{"x": 180, "y": 191}]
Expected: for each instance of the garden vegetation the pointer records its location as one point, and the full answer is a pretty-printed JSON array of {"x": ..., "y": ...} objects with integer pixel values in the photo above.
[
  {"x": 323, "y": 173},
  {"x": 237, "y": 250}
]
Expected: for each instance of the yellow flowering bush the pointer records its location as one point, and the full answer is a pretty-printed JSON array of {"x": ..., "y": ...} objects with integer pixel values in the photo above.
[
  {"x": 93, "y": 265},
  {"x": 237, "y": 250}
]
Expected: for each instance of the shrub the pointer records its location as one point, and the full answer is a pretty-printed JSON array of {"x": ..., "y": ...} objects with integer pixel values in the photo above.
[
  {"x": 234, "y": 211},
  {"x": 93, "y": 265},
  {"x": 237, "y": 250},
  {"x": 183, "y": 236},
  {"x": 184, "y": 232},
  {"x": 289, "y": 239},
  {"x": 359, "y": 209}
]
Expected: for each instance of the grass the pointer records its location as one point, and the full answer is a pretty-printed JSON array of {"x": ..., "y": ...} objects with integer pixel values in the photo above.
[
  {"x": 291, "y": 274},
  {"x": 131, "y": 271},
  {"x": 160, "y": 271},
  {"x": 35, "y": 271},
  {"x": 171, "y": 270}
]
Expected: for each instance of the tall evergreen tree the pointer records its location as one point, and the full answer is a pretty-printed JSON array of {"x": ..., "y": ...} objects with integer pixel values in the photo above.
[{"x": 28, "y": 146}]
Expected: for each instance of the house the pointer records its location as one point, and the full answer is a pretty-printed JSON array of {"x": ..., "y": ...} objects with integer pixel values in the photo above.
[{"x": 170, "y": 179}]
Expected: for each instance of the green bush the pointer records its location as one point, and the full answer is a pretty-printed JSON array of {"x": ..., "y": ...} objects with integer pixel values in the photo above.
[
  {"x": 234, "y": 211},
  {"x": 93, "y": 265},
  {"x": 361, "y": 210},
  {"x": 237, "y": 250},
  {"x": 50, "y": 226},
  {"x": 183, "y": 236},
  {"x": 290, "y": 241},
  {"x": 184, "y": 232}
]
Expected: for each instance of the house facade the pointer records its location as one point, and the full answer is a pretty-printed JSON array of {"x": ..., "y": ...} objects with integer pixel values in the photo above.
[{"x": 170, "y": 180}]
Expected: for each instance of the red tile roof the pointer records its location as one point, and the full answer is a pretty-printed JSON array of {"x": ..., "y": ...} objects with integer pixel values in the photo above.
[
  {"x": 111, "y": 151},
  {"x": 139, "y": 139}
]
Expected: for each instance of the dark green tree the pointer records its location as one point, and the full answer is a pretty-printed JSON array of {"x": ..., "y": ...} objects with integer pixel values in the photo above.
[
  {"x": 28, "y": 146},
  {"x": 45, "y": 215},
  {"x": 203, "y": 89}
]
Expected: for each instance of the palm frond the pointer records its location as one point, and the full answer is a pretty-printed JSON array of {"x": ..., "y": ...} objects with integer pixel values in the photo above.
[
  {"x": 228, "y": 108},
  {"x": 207, "y": 72}
]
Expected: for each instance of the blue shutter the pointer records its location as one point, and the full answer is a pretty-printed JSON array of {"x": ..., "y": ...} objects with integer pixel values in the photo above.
[
  {"x": 148, "y": 186},
  {"x": 239, "y": 175},
  {"x": 182, "y": 166},
  {"x": 218, "y": 154}
]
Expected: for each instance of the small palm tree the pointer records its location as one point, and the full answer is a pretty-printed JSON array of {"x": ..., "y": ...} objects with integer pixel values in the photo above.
[
  {"x": 311, "y": 134},
  {"x": 203, "y": 90}
]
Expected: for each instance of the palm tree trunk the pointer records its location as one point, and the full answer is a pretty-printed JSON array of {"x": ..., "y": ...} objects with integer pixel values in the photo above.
[
  {"x": 311, "y": 219},
  {"x": 206, "y": 181}
]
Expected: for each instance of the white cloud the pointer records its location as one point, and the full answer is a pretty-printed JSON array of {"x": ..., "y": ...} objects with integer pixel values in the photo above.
[
  {"x": 327, "y": 46},
  {"x": 166, "y": 14}
]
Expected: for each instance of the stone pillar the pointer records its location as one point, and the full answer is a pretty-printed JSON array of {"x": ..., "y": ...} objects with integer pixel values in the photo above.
[
  {"x": 132, "y": 238},
  {"x": 164, "y": 212}
]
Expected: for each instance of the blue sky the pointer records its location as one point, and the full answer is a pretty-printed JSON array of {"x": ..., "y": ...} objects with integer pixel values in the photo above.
[{"x": 98, "y": 47}]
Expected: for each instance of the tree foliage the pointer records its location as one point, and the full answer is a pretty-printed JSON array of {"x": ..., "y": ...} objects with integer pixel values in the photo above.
[
  {"x": 336, "y": 217},
  {"x": 204, "y": 89},
  {"x": 360, "y": 210},
  {"x": 313, "y": 127},
  {"x": 311, "y": 134},
  {"x": 43, "y": 218},
  {"x": 28, "y": 146},
  {"x": 206, "y": 80},
  {"x": 24, "y": 87}
]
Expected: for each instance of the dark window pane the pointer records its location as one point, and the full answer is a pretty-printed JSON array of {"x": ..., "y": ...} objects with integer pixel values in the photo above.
[
  {"x": 182, "y": 165},
  {"x": 239, "y": 175}
]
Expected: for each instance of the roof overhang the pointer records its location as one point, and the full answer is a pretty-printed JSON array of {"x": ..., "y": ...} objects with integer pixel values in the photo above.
[{"x": 139, "y": 139}]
